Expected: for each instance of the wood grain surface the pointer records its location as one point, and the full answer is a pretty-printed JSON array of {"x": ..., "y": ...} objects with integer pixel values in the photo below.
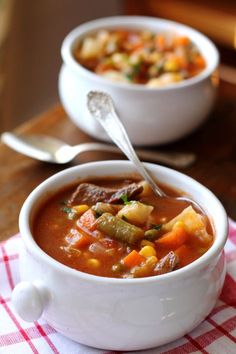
[{"x": 214, "y": 143}]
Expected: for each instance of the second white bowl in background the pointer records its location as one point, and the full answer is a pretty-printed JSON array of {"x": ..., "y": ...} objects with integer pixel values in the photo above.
[{"x": 150, "y": 115}]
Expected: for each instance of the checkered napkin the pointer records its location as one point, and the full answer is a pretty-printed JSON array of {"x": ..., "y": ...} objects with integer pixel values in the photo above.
[{"x": 216, "y": 335}]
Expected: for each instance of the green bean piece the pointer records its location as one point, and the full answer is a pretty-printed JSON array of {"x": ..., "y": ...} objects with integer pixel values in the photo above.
[
  {"x": 152, "y": 234},
  {"x": 119, "y": 229}
]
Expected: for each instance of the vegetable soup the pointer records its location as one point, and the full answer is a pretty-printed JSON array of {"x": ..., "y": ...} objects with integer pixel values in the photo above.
[
  {"x": 118, "y": 228},
  {"x": 140, "y": 57}
]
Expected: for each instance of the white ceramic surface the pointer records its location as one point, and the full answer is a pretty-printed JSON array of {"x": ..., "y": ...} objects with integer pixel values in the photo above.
[
  {"x": 119, "y": 314},
  {"x": 151, "y": 116}
]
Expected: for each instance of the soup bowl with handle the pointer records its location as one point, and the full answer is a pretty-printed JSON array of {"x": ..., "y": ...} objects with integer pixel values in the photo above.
[
  {"x": 150, "y": 115},
  {"x": 111, "y": 313}
]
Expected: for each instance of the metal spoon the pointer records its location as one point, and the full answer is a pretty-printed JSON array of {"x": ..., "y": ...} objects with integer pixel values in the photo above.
[
  {"x": 46, "y": 148},
  {"x": 101, "y": 107}
]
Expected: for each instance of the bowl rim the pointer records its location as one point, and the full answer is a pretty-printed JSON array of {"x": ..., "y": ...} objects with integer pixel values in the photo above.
[
  {"x": 36, "y": 251},
  {"x": 131, "y": 21}
]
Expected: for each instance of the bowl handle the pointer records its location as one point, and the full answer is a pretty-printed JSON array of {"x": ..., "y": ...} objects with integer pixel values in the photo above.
[{"x": 30, "y": 299}]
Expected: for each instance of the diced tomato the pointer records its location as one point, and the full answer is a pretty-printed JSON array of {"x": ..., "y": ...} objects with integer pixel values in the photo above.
[
  {"x": 108, "y": 243},
  {"x": 83, "y": 241},
  {"x": 88, "y": 220}
]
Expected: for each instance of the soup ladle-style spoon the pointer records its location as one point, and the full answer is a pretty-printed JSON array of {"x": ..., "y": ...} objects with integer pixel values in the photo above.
[
  {"x": 101, "y": 107},
  {"x": 50, "y": 149}
]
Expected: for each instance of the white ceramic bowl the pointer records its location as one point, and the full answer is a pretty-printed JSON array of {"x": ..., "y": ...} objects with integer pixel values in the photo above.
[
  {"x": 119, "y": 314},
  {"x": 151, "y": 116}
]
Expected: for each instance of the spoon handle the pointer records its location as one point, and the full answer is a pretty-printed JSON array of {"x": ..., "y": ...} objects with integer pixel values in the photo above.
[
  {"x": 108, "y": 118},
  {"x": 172, "y": 159}
]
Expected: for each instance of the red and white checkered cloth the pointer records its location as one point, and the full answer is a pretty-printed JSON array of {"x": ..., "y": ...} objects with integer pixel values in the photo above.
[{"x": 216, "y": 335}]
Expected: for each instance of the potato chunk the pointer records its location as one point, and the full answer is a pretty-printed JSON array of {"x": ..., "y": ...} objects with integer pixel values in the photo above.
[
  {"x": 164, "y": 80},
  {"x": 135, "y": 212},
  {"x": 194, "y": 223},
  {"x": 115, "y": 76},
  {"x": 91, "y": 48}
]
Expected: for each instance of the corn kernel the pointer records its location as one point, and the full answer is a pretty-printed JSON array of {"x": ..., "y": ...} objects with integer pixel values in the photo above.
[
  {"x": 152, "y": 261},
  {"x": 146, "y": 243},
  {"x": 93, "y": 262},
  {"x": 80, "y": 209},
  {"x": 171, "y": 65},
  {"x": 147, "y": 251}
]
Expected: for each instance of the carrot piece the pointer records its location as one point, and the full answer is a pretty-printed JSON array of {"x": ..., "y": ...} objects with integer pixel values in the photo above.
[
  {"x": 173, "y": 239},
  {"x": 137, "y": 46},
  {"x": 88, "y": 220},
  {"x": 185, "y": 254},
  {"x": 83, "y": 241},
  {"x": 182, "y": 62},
  {"x": 182, "y": 251},
  {"x": 160, "y": 42},
  {"x": 183, "y": 41},
  {"x": 133, "y": 259},
  {"x": 200, "y": 61}
]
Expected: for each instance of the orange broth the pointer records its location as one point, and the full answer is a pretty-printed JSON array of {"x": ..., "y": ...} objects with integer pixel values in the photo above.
[{"x": 65, "y": 236}]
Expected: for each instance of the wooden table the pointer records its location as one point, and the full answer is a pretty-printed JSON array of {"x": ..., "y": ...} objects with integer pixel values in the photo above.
[{"x": 214, "y": 143}]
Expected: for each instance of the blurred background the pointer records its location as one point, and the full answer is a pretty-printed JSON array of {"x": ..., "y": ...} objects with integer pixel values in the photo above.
[{"x": 31, "y": 33}]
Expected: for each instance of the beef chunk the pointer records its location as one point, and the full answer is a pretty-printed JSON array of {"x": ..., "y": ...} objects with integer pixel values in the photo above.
[
  {"x": 131, "y": 191},
  {"x": 88, "y": 193},
  {"x": 167, "y": 264}
]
